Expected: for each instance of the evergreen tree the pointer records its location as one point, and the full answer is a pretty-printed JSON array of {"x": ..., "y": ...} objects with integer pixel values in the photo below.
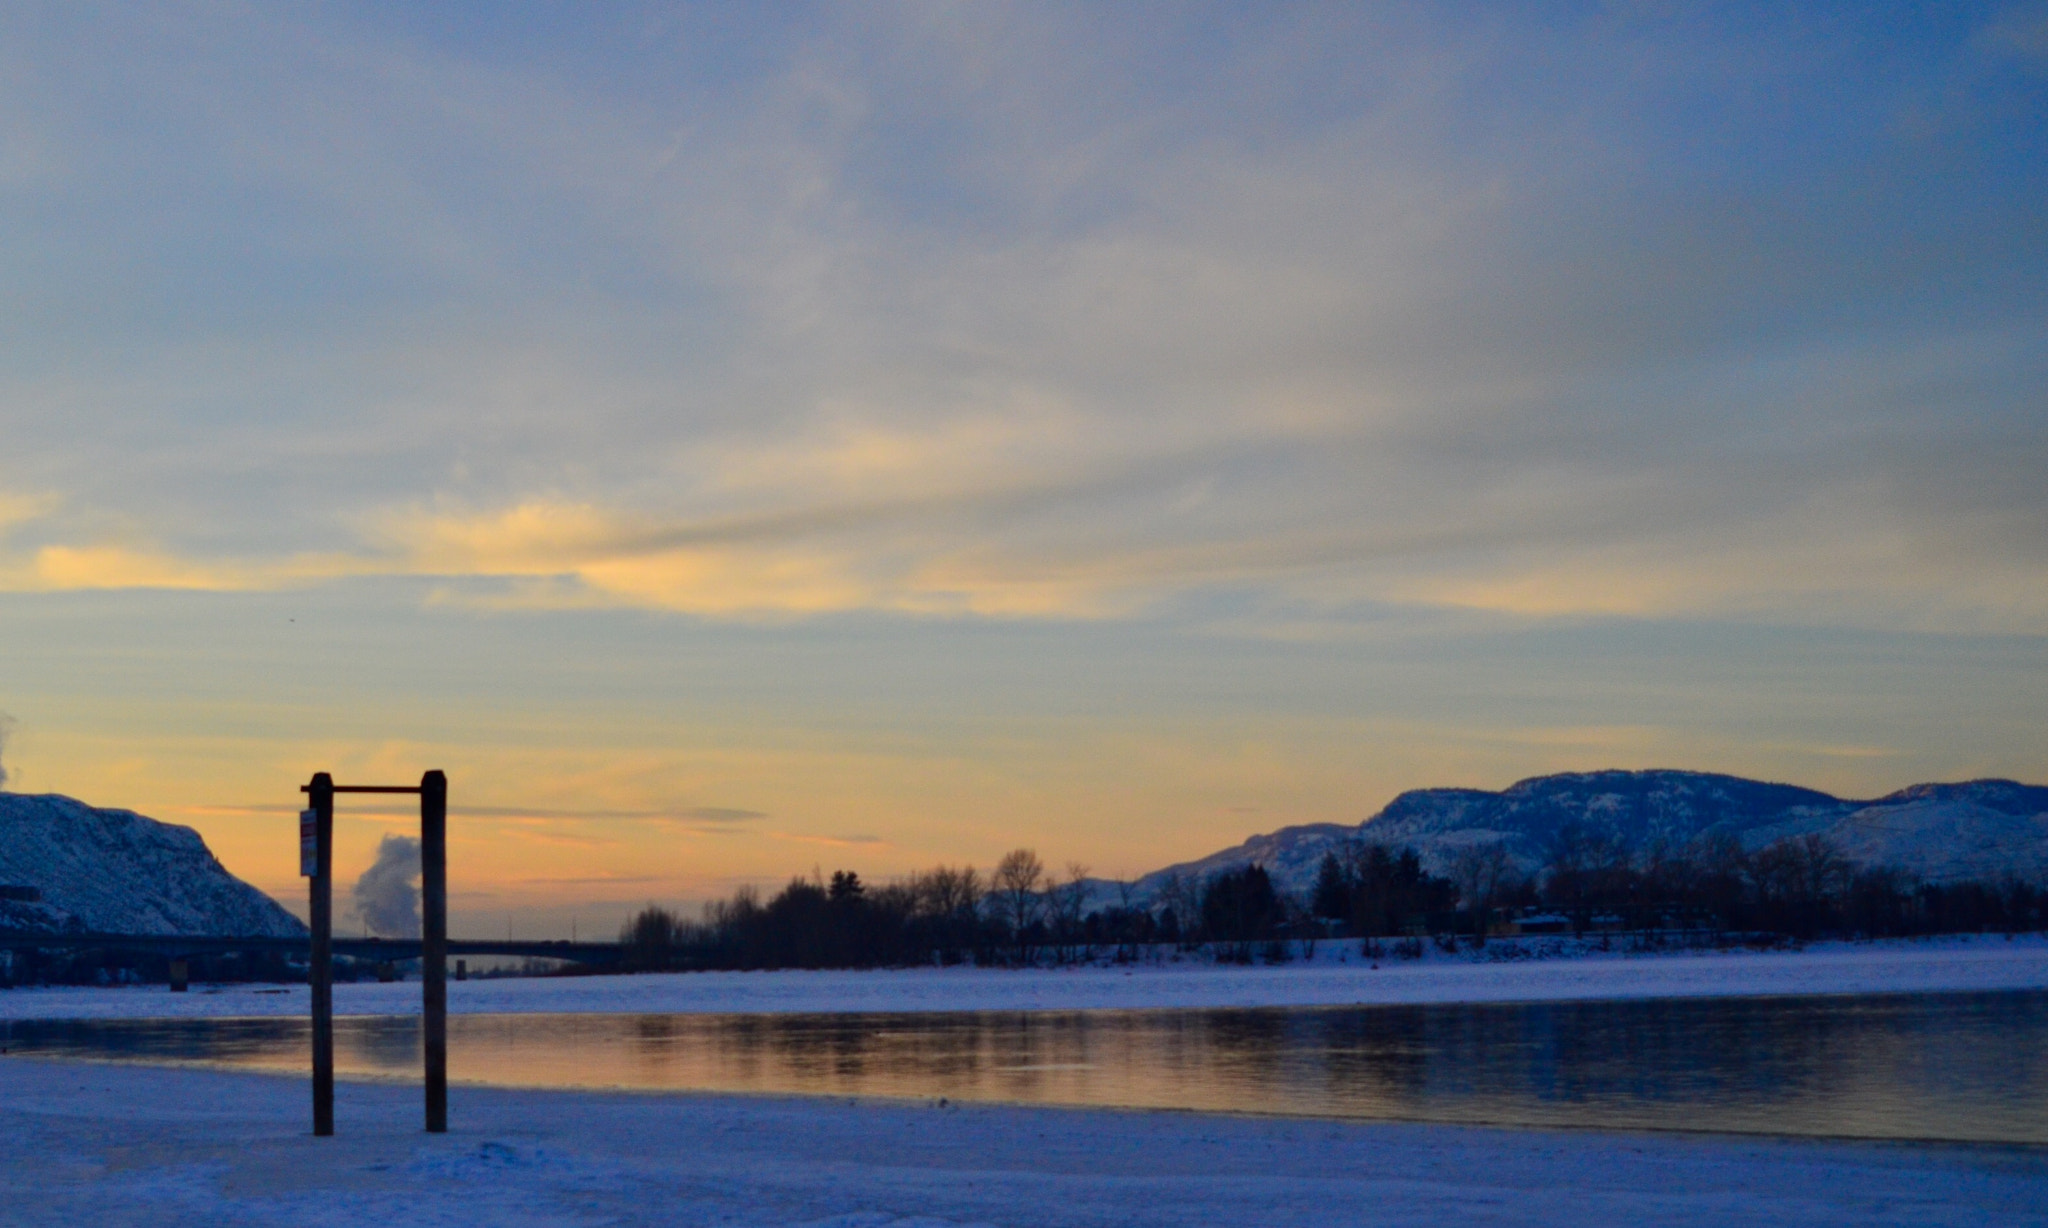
[{"x": 1333, "y": 890}]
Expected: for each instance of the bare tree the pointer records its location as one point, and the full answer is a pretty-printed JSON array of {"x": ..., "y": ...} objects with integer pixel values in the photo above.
[
  {"x": 941, "y": 907},
  {"x": 1127, "y": 911},
  {"x": 1587, "y": 870},
  {"x": 1181, "y": 896},
  {"x": 1069, "y": 898},
  {"x": 651, "y": 937},
  {"x": 1824, "y": 872},
  {"x": 1303, "y": 919},
  {"x": 1015, "y": 889},
  {"x": 947, "y": 894},
  {"x": 1798, "y": 881},
  {"x": 1480, "y": 870}
]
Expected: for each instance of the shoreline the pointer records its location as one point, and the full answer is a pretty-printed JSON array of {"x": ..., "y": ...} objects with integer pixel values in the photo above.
[
  {"x": 126, "y": 1144},
  {"x": 1337, "y": 977}
]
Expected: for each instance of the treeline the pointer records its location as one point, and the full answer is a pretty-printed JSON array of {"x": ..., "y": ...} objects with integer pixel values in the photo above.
[
  {"x": 944, "y": 915},
  {"x": 1589, "y": 882},
  {"x": 1802, "y": 887}
]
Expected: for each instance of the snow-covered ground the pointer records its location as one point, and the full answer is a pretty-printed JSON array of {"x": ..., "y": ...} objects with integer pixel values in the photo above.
[
  {"x": 1337, "y": 977},
  {"x": 112, "y": 1145}
]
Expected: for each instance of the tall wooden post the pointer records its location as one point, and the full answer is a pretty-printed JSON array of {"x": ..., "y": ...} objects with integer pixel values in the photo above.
[
  {"x": 434, "y": 943},
  {"x": 320, "y": 971}
]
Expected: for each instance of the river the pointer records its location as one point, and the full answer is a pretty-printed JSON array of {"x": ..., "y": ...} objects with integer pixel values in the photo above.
[{"x": 1960, "y": 1066}]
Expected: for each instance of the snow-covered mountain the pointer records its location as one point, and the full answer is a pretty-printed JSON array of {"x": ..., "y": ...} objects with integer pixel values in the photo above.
[
  {"x": 1985, "y": 829},
  {"x": 115, "y": 871}
]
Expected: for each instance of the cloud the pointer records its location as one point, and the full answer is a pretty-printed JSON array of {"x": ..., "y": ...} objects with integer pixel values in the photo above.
[
  {"x": 723, "y": 814},
  {"x": 843, "y": 841},
  {"x": 1135, "y": 325},
  {"x": 555, "y": 836},
  {"x": 1903, "y": 540},
  {"x": 595, "y": 880},
  {"x": 720, "y": 814},
  {"x": 17, "y": 509},
  {"x": 61, "y": 568}
]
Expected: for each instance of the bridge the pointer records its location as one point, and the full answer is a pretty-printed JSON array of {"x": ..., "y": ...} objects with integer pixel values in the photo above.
[{"x": 383, "y": 950}]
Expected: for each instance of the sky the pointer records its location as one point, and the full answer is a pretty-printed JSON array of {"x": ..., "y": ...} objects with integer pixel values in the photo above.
[{"x": 736, "y": 440}]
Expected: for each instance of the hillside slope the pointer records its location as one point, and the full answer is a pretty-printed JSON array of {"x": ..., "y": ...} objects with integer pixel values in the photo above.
[{"x": 115, "y": 871}]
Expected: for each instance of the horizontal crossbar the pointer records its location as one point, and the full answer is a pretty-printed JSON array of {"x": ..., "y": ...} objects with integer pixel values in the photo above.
[{"x": 367, "y": 788}]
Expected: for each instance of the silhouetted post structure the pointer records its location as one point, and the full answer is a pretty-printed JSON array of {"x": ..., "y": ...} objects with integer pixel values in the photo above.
[
  {"x": 316, "y": 862},
  {"x": 320, "y": 971},
  {"x": 434, "y": 942}
]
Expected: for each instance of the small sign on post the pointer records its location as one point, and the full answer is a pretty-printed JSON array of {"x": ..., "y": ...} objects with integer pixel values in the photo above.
[{"x": 309, "y": 843}]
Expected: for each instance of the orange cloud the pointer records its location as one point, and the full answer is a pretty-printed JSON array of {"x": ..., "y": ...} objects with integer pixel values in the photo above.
[{"x": 88, "y": 567}]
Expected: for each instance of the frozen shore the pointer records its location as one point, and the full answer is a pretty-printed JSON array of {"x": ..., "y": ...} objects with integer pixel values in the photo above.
[
  {"x": 1337, "y": 977},
  {"x": 135, "y": 1145}
]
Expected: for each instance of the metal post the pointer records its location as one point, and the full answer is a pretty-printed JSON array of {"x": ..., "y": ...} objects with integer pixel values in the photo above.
[
  {"x": 434, "y": 942},
  {"x": 320, "y": 972}
]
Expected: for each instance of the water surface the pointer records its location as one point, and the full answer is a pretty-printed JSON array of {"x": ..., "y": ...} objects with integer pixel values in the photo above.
[{"x": 1965, "y": 1067}]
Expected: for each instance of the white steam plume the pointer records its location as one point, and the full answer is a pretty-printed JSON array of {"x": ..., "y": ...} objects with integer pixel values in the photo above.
[{"x": 388, "y": 895}]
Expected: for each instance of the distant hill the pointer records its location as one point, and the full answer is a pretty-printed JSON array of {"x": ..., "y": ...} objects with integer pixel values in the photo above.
[
  {"x": 115, "y": 871},
  {"x": 1984, "y": 829}
]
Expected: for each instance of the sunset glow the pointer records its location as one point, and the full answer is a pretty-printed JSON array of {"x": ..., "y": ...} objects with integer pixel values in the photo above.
[{"x": 730, "y": 442}]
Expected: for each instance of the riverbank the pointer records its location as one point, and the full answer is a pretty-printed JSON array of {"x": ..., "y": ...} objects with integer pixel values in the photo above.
[
  {"x": 1339, "y": 976},
  {"x": 136, "y": 1145}
]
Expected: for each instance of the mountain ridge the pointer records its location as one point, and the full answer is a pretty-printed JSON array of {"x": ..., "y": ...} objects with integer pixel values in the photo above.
[{"x": 1940, "y": 831}]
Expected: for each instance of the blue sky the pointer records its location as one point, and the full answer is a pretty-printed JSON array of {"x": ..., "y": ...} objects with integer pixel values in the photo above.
[{"x": 731, "y": 441}]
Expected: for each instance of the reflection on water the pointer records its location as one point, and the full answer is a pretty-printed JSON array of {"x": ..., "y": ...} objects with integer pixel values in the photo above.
[{"x": 1948, "y": 1066}]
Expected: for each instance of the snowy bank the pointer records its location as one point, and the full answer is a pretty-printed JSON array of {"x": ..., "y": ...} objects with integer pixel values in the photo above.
[
  {"x": 1338, "y": 977},
  {"x": 133, "y": 1145}
]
